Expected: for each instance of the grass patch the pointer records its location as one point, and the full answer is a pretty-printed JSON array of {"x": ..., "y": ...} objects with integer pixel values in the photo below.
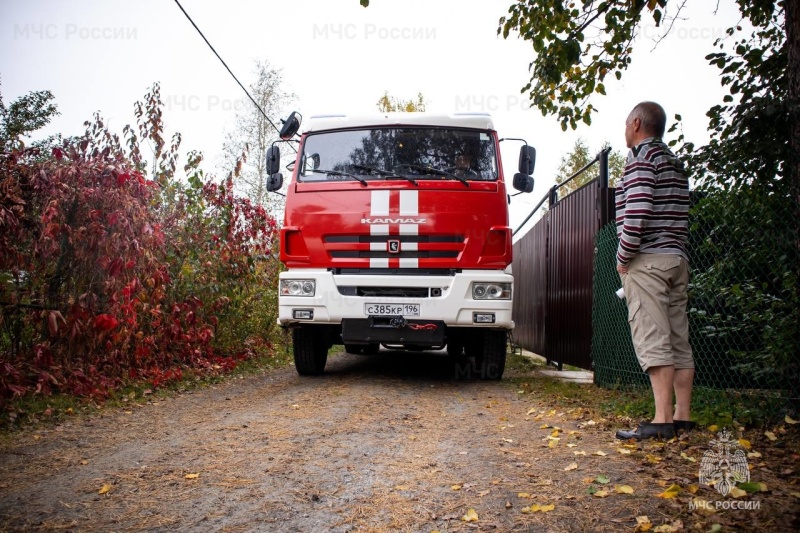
[{"x": 723, "y": 408}]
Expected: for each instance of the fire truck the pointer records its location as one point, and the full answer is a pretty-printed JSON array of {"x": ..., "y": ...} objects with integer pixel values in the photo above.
[{"x": 396, "y": 234}]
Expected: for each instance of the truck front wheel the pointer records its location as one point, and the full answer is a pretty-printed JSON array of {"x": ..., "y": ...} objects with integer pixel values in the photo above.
[
  {"x": 491, "y": 360},
  {"x": 310, "y": 351}
]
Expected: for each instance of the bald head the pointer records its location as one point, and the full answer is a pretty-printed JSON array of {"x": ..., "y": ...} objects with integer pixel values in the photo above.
[{"x": 652, "y": 117}]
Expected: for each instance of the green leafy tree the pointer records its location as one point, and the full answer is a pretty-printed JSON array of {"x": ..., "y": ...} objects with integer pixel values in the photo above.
[
  {"x": 578, "y": 158},
  {"x": 390, "y": 104}
]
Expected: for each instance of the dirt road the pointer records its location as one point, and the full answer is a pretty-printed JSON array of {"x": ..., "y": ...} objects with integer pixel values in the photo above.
[{"x": 395, "y": 442}]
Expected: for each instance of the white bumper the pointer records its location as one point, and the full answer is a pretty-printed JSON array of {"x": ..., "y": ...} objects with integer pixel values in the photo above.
[{"x": 455, "y": 306}]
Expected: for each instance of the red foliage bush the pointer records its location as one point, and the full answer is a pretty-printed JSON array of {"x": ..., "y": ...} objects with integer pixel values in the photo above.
[{"x": 91, "y": 252}]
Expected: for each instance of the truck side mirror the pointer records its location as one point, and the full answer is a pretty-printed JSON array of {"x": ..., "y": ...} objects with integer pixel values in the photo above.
[
  {"x": 273, "y": 160},
  {"x": 290, "y": 126},
  {"x": 523, "y": 182},
  {"x": 527, "y": 160},
  {"x": 274, "y": 182}
]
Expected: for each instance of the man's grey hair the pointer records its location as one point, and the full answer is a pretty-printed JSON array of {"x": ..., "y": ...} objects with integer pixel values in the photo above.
[{"x": 652, "y": 117}]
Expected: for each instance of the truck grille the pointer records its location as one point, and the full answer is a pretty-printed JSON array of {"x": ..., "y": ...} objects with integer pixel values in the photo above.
[{"x": 368, "y": 247}]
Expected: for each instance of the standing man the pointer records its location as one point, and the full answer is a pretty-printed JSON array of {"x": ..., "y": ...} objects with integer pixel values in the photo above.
[{"x": 653, "y": 263}]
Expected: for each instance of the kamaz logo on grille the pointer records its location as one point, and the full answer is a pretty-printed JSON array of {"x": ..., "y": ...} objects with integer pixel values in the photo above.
[
  {"x": 393, "y": 220},
  {"x": 393, "y": 246}
]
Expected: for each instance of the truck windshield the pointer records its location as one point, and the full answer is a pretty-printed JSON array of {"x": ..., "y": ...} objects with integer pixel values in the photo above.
[{"x": 410, "y": 154}]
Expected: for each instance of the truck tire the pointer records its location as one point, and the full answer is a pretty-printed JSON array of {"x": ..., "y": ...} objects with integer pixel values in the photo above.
[
  {"x": 491, "y": 362},
  {"x": 310, "y": 351},
  {"x": 354, "y": 349}
]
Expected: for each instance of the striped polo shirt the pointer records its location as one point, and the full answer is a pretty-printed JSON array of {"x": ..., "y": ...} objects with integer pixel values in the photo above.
[{"x": 652, "y": 203}]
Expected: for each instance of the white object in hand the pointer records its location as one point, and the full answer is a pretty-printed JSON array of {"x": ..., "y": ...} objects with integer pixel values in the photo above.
[{"x": 620, "y": 293}]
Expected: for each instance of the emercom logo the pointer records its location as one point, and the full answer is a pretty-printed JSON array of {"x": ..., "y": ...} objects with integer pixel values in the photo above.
[{"x": 725, "y": 464}]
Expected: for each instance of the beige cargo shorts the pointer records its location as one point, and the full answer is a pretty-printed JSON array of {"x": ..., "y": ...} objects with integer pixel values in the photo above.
[{"x": 656, "y": 294}]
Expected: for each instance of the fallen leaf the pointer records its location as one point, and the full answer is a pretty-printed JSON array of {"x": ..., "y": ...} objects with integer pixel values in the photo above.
[
  {"x": 623, "y": 489},
  {"x": 770, "y": 435},
  {"x": 104, "y": 489},
  {"x": 455, "y": 487},
  {"x": 744, "y": 443},
  {"x": 471, "y": 516},
  {"x": 553, "y": 442},
  {"x": 402, "y": 487},
  {"x": 715, "y": 528},
  {"x": 736, "y": 492},
  {"x": 571, "y": 445},
  {"x": 665, "y": 528},
  {"x": 530, "y": 509},
  {"x": 693, "y": 489},
  {"x": 571, "y": 466},
  {"x": 643, "y": 523},
  {"x": 601, "y": 493},
  {"x": 580, "y": 453},
  {"x": 754, "y": 455},
  {"x": 84, "y": 462},
  {"x": 483, "y": 492},
  {"x": 789, "y": 420},
  {"x": 713, "y": 428},
  {"x": 624, "y": 451},
  {"x": 750, "y": 486},
  {"x": 547, "y": 508},
  {"x": 795, "y": 494},
  {"x": 670, "y": 492},
  {"x": 523, "y": 495},
  {"x": 653, "y": 459},
  {"x": 554, "y": 433},
  {"x": 688, "y": 458},
  {"x": 507, "y": 440},
  {"x": 191, "y": 476},
  {"x": 600, "y": 453},
  {"x": 602, "y": 479}
]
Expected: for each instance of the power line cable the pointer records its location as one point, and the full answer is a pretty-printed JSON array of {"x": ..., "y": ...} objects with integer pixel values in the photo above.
[{"x": 228, "y": 68}]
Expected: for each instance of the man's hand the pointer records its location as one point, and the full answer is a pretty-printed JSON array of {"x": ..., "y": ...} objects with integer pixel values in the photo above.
[{"x": 622, "y": 269}]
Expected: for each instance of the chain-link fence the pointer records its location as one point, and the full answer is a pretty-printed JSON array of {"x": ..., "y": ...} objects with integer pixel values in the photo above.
[{"x": 744, "y": 309}]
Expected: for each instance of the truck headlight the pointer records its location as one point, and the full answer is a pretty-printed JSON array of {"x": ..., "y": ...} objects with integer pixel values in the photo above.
[
  {"x": 298, "y": 287},
  {"x": 491, "y": 291}
]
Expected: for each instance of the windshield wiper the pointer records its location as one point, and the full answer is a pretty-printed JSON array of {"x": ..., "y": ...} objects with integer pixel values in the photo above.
[
  {"x": 384, "y": 173},
  {"x": 362, "y": 181},
  {"x": 427, "y": 169}
]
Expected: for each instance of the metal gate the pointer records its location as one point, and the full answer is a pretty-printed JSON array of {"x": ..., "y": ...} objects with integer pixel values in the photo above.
[{"x": 553, "y": 271}]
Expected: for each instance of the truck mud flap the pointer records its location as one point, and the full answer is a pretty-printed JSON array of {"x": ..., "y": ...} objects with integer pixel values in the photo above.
[{"x": 393, "y": 330}]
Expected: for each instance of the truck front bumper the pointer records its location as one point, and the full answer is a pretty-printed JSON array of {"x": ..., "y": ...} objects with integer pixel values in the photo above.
[{"x": 447, "y": 299}]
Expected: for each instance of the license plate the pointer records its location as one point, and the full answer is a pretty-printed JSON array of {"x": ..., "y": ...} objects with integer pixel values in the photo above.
[{"x": 391, "y": 309}]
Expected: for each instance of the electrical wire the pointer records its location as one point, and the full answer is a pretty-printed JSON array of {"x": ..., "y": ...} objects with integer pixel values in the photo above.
[{"x": 227, "y": 68}]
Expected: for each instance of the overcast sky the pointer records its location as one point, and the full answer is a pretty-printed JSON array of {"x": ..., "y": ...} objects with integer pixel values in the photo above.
[{"x": 337, "y": 57}]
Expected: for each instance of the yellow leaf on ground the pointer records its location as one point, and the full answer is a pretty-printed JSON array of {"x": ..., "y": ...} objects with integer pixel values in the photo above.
[
  {"x": 653, "y": 459},
  {"x": 571, "y": 466},
  {"x": 580, "y": 452},
  {"x": 770, "y": 435},
  {"x": 753, "y": 455},
  {"x": 554, "y": 433},
  {"x": 643, "y": 523},
  {"x": 670, "y": 492},
  {"x": 688, "y": 458},
  {"x": 601, "y": 494},
  {"x": 471, "y": 516},
  {"x": 547, "y": 508},
  {"x": 600, "y": 453},
  {"x": 693, "y": 489},
  {"x": 744, "y": 443},
  {"x": 795, "y": 494},
  {"x": 571, "y": 445},
  {"x": 192, "y": 476},
  {"x": 530, "y": 509},
  {"x": 623, "y": 451},
  {"x": 104, "y": 489},
  {"x": 665, "y": 528},
  {"x": 553, "y": 443},
  {"x": 713, "y": 428},
  {"x": 789, "y": 420},
  {"x": 402, "y": 487},
  {"x": 624, "y": 489},
  {"x": 736, "y": 492},
  {"x": 455, "y": 487},
  {"x": 545, "y": 426},
  {"x": 523, "y": 495}
]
